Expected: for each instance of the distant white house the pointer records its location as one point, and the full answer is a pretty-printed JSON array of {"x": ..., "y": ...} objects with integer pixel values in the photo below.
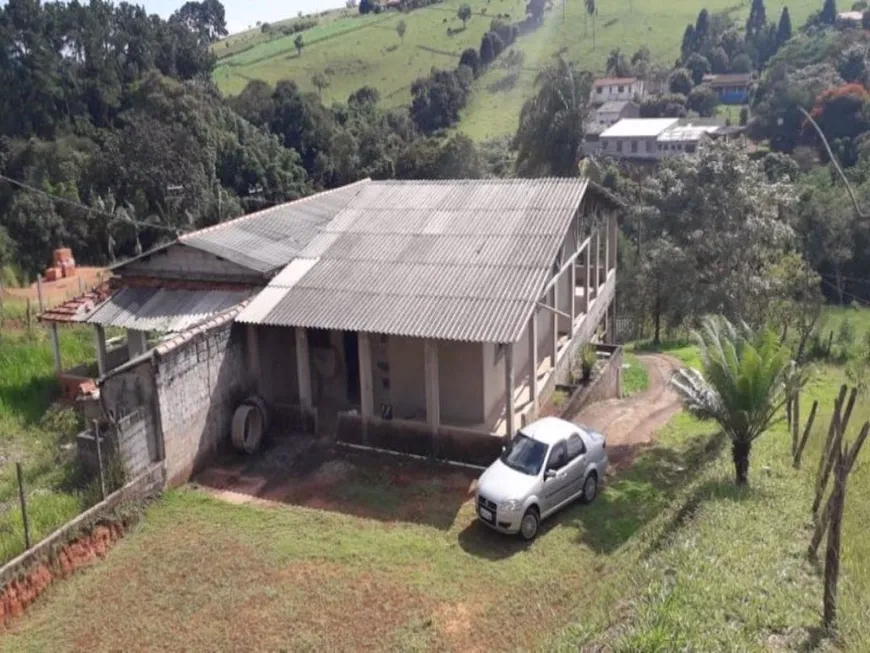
[
  {"x": 850, "y": 17},
  {"x": 610, "y": 89},
  {"x": 635, "y": 138},
  {"x": 651, "y": 139},
  {"x": 610, "y": 113}
]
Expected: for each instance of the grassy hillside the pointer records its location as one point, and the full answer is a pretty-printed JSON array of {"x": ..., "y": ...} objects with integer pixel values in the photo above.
[{"x": 365, "y": 50}]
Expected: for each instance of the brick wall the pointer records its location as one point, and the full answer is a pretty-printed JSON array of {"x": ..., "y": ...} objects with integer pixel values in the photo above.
[{"x": 201, "y": 379}]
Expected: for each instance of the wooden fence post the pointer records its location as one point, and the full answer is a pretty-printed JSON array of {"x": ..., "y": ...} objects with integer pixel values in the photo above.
[
  {"x": 20, "y": 474},
  {"x": 795, "y": 423},
  {"x": 803, "y": 443},
  {"x": 39, "y": 292},
  {"x": 832, "y": 554},
  {"x": 29, "y": 316},
  {"x": 96, "y": 428}
]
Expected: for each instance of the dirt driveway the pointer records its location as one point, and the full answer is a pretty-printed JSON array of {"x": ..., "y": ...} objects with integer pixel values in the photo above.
[{"x": 630, "y": 423}]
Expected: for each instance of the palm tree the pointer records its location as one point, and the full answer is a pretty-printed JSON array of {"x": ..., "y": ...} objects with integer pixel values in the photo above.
[
  {"x": 552, "y": 122},
  {"x": 592, "y": 10},
  {"x": 617, "y": 64},
  {"x": 742, "y": 386}
]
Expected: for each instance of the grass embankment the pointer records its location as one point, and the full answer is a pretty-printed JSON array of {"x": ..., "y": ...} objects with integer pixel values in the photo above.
[
  {"x": 635, "y": 377},
  {"x": 38, "y": 434},
  {"x": 366, "y": 50}
]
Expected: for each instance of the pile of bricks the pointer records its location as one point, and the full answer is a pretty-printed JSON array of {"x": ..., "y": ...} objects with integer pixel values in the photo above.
[{"x": 64, "y": 265}]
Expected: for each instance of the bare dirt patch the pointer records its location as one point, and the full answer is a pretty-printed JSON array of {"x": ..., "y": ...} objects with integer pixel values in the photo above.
[{"x": 631, "y": 423}]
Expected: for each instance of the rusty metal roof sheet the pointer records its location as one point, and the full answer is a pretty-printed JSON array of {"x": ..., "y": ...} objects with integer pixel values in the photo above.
[
  {"x": 267, "y": 240},
  {"x": 167, "y": 311},
  {"x": 456, "y": 260}
]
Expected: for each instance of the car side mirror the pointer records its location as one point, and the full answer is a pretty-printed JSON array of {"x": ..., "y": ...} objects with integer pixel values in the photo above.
[{"x": 550, "y": 473}]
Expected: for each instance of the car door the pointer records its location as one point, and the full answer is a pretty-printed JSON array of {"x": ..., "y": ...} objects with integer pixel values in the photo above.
[
  {"x": 555, "y": 478},
  {"x": 576, "y": 465}
]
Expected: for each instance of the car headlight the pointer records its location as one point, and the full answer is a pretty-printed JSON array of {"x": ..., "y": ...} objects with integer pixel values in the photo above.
[{"x": 512, "y": 505}]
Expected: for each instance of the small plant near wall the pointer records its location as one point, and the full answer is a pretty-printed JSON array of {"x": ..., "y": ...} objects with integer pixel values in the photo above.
[{"x": 588, "y": 357}]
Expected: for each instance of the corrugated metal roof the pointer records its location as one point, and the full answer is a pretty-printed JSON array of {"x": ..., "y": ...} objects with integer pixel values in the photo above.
[
  {"x": 639, "y": 127},
  {"x": 687, "y": 133},
  {"x": 267, "y": 240},
  {"x": 168, "y": 311},
  {"x": 456, "y": 260}
]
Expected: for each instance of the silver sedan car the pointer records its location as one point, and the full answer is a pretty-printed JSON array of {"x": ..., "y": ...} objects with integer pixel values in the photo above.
[{"x": 547, "y": 465}]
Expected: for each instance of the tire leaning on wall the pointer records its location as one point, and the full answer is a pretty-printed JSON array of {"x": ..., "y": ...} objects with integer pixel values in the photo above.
[{"x": 248, "y": 428}]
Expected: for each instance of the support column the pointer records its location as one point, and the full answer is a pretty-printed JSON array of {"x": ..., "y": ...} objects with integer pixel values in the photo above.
[
  {"x": 533, "y": 359},
  {"x": 253, "y": 347},
  {"x": 614, "y": 243},
  {"x": 366, "y": 398},
  {"x": 100, "y": 348},
  {"x": 606, "y": 249},
  {"x": 510, "y": 427},
  {"x": 55, "y": 347},
  {"x": 587, "y": 255},
  {"x": 573, "y": 294},
  {"x": 555, "y": 318},
  {"x": 303, "y": 369},
  {"x": 597, "y": 274},
  {"x": 137, "y": 344},
  {"x": 433, "y": 396}
]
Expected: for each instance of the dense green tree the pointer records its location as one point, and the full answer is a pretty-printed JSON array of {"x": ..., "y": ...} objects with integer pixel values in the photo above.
[
  {"x": 471, "y": 59},
  {"x": 719, "y": 62},
  {"x": 783, "y": 31},
  {"x": 671, "y": 105},
  {"x": 757, "y": 20},
  {"x": 401, "y": 28},
  {"x": 535, "y": 10},
  {"x": 206, "y": 19},
  {"x": 703, "y": 101},
  {"x": 853, "y": 65},
  {"x": 829, "y": 12},
  {"x": 741, "y": 64},
  {"x": 865, "y": 20},
  {"x": 698, "y": 66},
  {"x": 433, "y": 158},
  {"x": 680, "y": 81},
  {"x": 299, "y": 43},
  {"x": 617, "y": 64},
  {"x": 552, "y": 122},
  {"x": 437, "y": 99},
  {"x": 688, "y": 46}
]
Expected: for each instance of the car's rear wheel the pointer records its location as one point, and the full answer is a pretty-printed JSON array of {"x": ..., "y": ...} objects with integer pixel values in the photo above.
[
  {"x": 590, "y": 488},
  {"x": 529, "y": 524}
]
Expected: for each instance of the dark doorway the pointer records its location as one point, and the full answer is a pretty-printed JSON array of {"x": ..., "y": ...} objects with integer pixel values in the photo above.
[{"x": 351, "y": 361}]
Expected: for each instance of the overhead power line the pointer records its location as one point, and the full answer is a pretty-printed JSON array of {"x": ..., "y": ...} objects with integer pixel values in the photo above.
[{"x": 89, "y": 209}]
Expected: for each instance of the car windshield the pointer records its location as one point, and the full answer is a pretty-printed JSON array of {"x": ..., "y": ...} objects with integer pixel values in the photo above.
[{"x": 524, "y": 454}]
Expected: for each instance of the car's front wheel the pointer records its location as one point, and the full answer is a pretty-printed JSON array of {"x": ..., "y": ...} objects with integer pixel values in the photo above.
[
  {"x": 590, "y": 488},
  {"x": 529, "y": 524}
]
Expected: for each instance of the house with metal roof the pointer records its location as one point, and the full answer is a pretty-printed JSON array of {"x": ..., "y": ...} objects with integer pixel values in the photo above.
[
  {"x": 433, "y": 306},
  {"x": 616, "y": 89}
]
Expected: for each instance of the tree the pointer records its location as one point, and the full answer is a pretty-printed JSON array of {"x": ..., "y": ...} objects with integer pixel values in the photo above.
[
  {"x": 703, "y": 100},
  {"x": 490, "y": 47},
  {"x": 464, "y": 13},
  {"x": 299, "y": 42},
  {"x": 757, "y": 20},
  {"x": 719, "y": 62},
  {"x": 744, "y": 116},
  {"x": 829, "y": 13},
  {"x": 535, "y": 10},
  {"x": 206, "y": 19},
  {"x": 688, "y": 46},
  {"x": 437, "y": 100},
  {"x": 592, "y": 10},
  {"x": 471, "y": 59},
  {"x": 680, "y": 81},
  {"x": 741, "y": 64},
  {"x": 865, "y": 20},
  {"x": 783, "y": 31},
  {"x": 741, "y": 386},
  {"x": 698, "y": 66},
  {"x": 320, "y": 82},
  {"x": 703, "y": 37},
  {"x": 617, "y": 64},
  {"x": 367, "y": 6},
  {"x": 853, "y": 65},
  {"x": 552, "y": 122},
  {"x": 401, "y": 28}
]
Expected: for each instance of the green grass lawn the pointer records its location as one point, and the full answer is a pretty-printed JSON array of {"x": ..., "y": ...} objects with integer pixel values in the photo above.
[
  {"x": 672, "y": 556},
  {"x": 38, "y": 434},
  {"x": 365, "y": 50},
  {"x": 635, "y": 377}
]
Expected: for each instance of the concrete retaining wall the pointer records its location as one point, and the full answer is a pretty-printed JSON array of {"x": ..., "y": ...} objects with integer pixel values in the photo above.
[{"x": 607, "y": 385}]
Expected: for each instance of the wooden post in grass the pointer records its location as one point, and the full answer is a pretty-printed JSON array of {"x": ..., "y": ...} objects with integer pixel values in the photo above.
[
  {"x": 796, "y": 463},
  {"x": 29, "y": 316},
  {"x": 832, "y": 554},
  {"x": 850, "y": 455},
  {"x": 39, "y": 292},
  {"x": 795, "y": 422},
  {"x": 23, "y": 501},
  {"x": 826, "y": 447},
  {"x": 835, "y": 434},
  {"x": 100, "y": 460}
]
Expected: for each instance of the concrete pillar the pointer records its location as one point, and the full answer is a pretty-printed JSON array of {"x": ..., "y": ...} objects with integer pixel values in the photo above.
[
  {"x": 303, "y": 369},
  {"x": 606, "y": 249},
  {"x": 614, "y": 243},
  {"x": 100, "y": 348},
  {"x": 597, "y": 274},
  {"x": 433, "y": 396},
  {"x": 137, "y": 344},
  {"x": 510, "y": 426},
  {"x": 587, "y": 256},
  {"x": 253, "y": 350},
  {"x": 55, "y": 347},
  {"x": 554, "y": 295},
  {"x": 573, "y": 273},
  {"x": 533, "y": 357},
  {"x": 366, "y": 396}
]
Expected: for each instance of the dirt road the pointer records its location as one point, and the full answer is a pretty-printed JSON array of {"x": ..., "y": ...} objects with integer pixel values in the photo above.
[{"x": 631, "y": 423}]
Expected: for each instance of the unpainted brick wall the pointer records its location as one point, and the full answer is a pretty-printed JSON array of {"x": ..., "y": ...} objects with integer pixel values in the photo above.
[{"x": 199, "y": 385}]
